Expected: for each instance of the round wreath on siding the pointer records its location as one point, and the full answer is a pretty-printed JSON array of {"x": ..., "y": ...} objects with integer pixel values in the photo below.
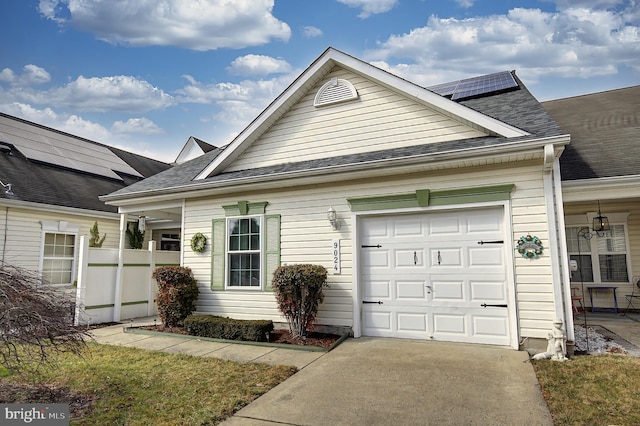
[{"x": 198, "y": 242}]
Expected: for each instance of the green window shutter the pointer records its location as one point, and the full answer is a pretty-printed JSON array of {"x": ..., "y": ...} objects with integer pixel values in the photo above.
[
  {"x": 271, "y": 248},
  {"x": 218, "y": 240}
]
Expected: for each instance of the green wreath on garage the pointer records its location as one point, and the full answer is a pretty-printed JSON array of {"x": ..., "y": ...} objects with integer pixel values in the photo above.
[
  {"x": 198, "y": 242},
  {"x": 530, "y": 247}
]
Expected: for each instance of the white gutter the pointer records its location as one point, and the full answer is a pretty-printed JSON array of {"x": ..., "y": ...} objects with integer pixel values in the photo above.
[
  {"x": 57, "y": 209},
  {"x": 608, "y": 188}
]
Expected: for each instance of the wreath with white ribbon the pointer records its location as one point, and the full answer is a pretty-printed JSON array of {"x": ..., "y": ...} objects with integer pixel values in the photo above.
[
  {"x": 530, "y": 247},
  {"x": 198, "y": 242}
]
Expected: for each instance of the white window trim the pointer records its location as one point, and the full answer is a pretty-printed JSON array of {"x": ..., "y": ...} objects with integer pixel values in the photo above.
[
  {"x": 574, "y": 221},
  {"x": 60, "y": 227},
  {"x": 227, "y": 262}
]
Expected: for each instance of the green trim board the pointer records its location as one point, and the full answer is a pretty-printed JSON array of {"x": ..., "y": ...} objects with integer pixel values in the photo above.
[
  {"x": 426, "y": 197},
  {"x": 243, "y": 208},
  {"x": 111, "y": 305}
]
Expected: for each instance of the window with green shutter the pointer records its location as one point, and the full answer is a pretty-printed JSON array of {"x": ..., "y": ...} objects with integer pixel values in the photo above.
[{"x": 245, "y": 251}]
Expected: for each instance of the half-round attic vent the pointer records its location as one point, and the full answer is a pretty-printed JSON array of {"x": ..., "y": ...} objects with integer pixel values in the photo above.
[{"x": 334, "y": 91}]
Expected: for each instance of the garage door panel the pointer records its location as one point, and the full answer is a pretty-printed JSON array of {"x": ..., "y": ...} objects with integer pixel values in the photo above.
[
  {"x": 409, "y": 258},
  {"x": 377, "y": 289},
  {"x": 412, "y": 322},
  {"x": 486, "y": 256},
  {"x": 411, "y": 289},
  {"x": 377, "y": 323},
  {"x": 480, "y": 223},
  {"x": 452, "y": 290},
  {"x": 409, "y": 226},
  {"x": 444, "y": 225},
  {"x": 488, "y": 291},
  {"x": 449, "y": 324},
  {"x": 376, "y": 259},
  {"x": 446, "y": 257}
]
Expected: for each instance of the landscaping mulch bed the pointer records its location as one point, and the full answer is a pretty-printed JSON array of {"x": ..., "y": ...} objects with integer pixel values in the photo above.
[{"x": 322, "y": 340}]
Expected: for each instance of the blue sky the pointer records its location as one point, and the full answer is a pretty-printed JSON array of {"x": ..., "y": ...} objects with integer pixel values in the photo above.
[{"x": 146, "y": 75}]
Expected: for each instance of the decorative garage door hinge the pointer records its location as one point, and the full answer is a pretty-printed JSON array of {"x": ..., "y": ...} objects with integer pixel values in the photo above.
[
  {"x": 379, "y": 302},
  {"x": 376, "y": 246},
  {"x": 490, "y": 242},
  {"x": 484, "y": 305}
]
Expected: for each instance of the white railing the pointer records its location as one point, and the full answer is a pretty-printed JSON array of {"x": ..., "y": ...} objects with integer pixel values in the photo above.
[{"x": 100, "y": 273}]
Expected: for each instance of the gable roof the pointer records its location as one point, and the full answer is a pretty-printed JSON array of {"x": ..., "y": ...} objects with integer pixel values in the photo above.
[
  {"x": 512, "y": 120},
  {"x": 194, "y": 147},
  {"x": 47, "y": 166},
  {"x": 605, "y": 133},
  {"x": 317, "y": 70}
]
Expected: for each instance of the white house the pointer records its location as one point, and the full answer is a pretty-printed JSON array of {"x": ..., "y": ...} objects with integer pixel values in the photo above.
[{"x": 449, "y": 221}]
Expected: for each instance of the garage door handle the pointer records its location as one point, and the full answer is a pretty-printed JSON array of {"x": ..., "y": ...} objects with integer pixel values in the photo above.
[{"x": 379, "y": 302}]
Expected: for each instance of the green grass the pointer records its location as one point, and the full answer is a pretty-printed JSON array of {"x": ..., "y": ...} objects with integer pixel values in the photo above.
[
  {"x": 138, "y": 387},
  {"x": 592, "y": 390}
]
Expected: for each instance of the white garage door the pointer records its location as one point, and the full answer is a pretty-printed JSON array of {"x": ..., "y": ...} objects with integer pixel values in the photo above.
[{"x": 439, "y": 276}]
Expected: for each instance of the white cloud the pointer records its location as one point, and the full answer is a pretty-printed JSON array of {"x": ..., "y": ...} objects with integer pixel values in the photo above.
[
  {"x": 466, "y": 4},
  {"x": 190, "y": 24},
  {"x": 250, "y": 65},
  {"x": 31, "y": 75},
  {"x": 370, "y": 7},
  {"x": 311, "y": 32},
  {"x": 115, "y": 93},
  {"x": 137, "y": 126},
  {"x": 575, "y": 42}
]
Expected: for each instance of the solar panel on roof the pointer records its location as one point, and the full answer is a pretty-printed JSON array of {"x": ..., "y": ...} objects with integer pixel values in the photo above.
[
  {"x": 46, "y": 146},
  {"x": 476, "y": 86}
]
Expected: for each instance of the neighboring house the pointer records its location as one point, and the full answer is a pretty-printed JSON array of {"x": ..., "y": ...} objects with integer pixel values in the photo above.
[
  {"x": 193, "y": 148},
  {"x": 431, "y": 188},
  {"x": 56, "y": 179},
  {"x": 600, "y": 170}
]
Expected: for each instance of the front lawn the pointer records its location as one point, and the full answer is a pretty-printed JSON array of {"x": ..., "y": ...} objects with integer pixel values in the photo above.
[
  {"x": 137, "y": 387},
  {"x": 592, "y": 390}
]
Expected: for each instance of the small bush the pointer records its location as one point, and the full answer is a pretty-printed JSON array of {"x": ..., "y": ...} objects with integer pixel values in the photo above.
[
  {"x": 177, "y": 294},
  {"x": 226, "y": 328},
  {"x": 298, "y": 291}
]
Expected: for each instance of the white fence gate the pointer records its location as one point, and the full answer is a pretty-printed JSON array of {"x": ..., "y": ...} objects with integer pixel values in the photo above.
[{"x": 101, "y": 282}]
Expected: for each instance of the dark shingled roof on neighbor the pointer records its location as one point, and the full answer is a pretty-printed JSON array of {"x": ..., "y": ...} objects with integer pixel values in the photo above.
[
  {"x": 605, "y": 133},
  {"x": 518, "y": 108},
  {"x": 42, "y": 183}
]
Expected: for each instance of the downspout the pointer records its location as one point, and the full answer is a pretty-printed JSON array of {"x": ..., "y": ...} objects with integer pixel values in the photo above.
[
  {"x": 117, "y": 297},
  {"x": 6, "y": 229},
  {"x": 557, "y": 248}
]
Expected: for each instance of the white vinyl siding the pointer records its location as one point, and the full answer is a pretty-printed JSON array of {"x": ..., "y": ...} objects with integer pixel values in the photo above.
[
  {"x": 306, "y": 237},
  {"x": 24, "y": 236},
  {"x": 379, "y": 119}
]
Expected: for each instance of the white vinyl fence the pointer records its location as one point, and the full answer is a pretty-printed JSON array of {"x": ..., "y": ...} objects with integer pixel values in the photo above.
[{"x": 108, "y": 293}]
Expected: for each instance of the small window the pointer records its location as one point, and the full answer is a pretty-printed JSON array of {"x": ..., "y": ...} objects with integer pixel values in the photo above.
[
  {"x": 334, "y": 91},
  {"x": 244, "y": 252},
  {"x": 57, "y": 259}
]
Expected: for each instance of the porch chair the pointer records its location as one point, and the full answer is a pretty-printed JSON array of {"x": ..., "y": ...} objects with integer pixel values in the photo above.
[
  {"x": 635, "y": 294},
  {"x": 576, "y": 300}
]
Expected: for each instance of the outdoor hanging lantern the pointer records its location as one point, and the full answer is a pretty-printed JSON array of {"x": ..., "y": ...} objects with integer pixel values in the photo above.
[{"x": 600, "y": 223}]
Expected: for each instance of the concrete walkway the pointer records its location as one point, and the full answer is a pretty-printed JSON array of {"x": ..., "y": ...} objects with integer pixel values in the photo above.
[{"x": 115, "y": 335}]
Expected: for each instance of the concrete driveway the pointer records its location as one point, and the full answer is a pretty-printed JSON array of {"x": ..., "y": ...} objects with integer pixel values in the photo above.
[{"x": 374, "y": 381}]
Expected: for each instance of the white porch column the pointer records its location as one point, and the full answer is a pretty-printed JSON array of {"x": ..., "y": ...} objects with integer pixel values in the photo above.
[{"x": 117, "y": 297}]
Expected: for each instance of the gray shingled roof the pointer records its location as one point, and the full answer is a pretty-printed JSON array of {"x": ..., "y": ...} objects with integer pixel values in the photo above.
[
  {"x": 42, "y": 183},
  {"x": 518, "y": 108},
  {"x": 605, "y": 133}
]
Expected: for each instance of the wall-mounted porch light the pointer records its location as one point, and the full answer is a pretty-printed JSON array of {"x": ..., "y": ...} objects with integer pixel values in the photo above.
[{"x": 332, "y": 217}]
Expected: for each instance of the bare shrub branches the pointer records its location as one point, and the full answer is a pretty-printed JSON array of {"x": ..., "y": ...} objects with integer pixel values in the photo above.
[{"x": 35, "y": 321}]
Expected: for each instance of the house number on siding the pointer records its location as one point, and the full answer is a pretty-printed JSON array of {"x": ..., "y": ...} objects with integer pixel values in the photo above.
[{"x": 336, "y": 257}]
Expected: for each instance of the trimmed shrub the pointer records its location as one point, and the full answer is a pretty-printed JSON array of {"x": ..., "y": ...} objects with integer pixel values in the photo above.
[
  {"x": 227, "y": 328},
  {"x": 298, "y": 291},
  {"x": 177, "y": 294}
]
